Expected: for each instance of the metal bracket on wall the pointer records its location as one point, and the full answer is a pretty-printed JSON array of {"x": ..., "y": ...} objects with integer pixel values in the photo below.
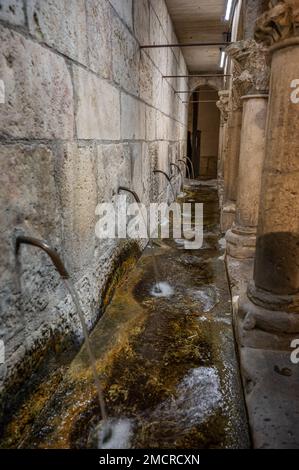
[
  {"x": 215, "y": 75},
  {"x": 190, "y": 44}
]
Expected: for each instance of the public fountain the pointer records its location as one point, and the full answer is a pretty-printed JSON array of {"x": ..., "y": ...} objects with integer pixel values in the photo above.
[
  {"x": 160, "y": 289},
  {"x": 107, "y": 430},
  {"x": 174, "y": 165},
  {"x": 187, "y": 169},
  {"x": 192, "y": 166},
  {"x": 168, "y": 180}
]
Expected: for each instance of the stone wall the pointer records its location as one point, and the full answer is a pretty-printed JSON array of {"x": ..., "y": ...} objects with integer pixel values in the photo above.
[{"x": 85, "y": 110}]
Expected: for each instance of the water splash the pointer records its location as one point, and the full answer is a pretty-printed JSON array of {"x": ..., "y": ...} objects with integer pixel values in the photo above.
[
  {"x": 197, "y": 396},
  {"x": 114, "y": 434},
  {"x": 208, "y": 297},
  {"x": 162, "y": 289},
  {"x": 69, "y": 285}
]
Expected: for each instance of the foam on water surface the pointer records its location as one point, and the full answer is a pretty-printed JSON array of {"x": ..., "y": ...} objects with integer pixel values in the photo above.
[
  {"x": 119, "y": 434},
  {"x": 162, "y": 289}
]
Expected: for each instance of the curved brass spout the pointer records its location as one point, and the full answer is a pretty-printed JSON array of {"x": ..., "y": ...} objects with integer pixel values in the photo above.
[
  {"x": 163, "y": 173},
  {"x": 43, "y": 245},
  {"x": 192, "y": 166},
  {"x": 168, "y": 179},
  {"x": 187, "y": 168},
  {"x": 177, "y": 167},
  {"x": 134, "y": 194},
  {"x": 181, "y": 173}
]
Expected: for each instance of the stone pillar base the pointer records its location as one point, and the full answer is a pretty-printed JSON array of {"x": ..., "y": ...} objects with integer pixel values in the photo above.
[
  {"x": 266, "y": 321},
  {"x": 241, "y": 242},
  {"x": 228, "y": 215}
]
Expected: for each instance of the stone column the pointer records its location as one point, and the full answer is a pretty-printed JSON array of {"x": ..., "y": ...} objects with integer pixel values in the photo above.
[
  {"x": 231, "y": 167},
  {"x": 241, "y": 238},
  {"x": 222, "y": 105},
  {"x": 231, "y": 163},
  {"x": 272, "y": 302}
]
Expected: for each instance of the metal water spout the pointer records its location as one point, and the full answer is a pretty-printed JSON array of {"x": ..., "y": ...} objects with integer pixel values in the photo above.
[
  {"x": 134, "y": 194},
  {"x": 192, "y": 166},
  {"x": 155, "y": 264},
  {"x": 56, "y": 260},
  {"x": 181, "y": 173},
  {"x": 168, "y": 179},
  {"x": 43, "y": 245},
  {"x": 187, "y": 168}
]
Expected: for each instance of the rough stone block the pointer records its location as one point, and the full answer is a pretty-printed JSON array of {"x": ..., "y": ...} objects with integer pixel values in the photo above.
[
  {"x": 132, "y": 118},
  {"x": 99, "y": 19},
  {"x": 113, "y": 169},
  {"x": 272, "y": 397},
  {"x": 146, "y": 173},
  {"x": 164, "y": 127},
  {"x": 98, "y": 107},
  {"x": 61, "y": 24},
  {"x": 147, "y": 73},
  {"x": 141, "y": 21},
  {"x": 76, "y": 182},
  {"x": 160, "y": 9},
  {"x": 157, "y": 89},
  {"x": 150, "y": 118},
  {"x": 30, "y": 206},
  {"x": 38, "y": 90},
  {"x": 12, "y": 11},
  {"x": 126, "y": 57},
  {"x": 125, "y": 10},
  {"x": 156, "y": 37},
  {"x": 136, "y": 168}
]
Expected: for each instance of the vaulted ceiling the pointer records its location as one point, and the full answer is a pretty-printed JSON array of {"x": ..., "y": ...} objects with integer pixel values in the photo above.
[{"x": 196, "y": 21}]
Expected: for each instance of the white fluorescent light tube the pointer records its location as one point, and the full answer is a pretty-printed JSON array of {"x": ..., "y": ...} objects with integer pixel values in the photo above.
[
  {"x": 228, "y": 10},
  {"x": 222, "y": 59}
]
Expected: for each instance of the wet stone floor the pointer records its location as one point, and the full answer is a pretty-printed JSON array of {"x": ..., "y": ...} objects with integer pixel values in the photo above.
[{"x": 168, "y": 366}]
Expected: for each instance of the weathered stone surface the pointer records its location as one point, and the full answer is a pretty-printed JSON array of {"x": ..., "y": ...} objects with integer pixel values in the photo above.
[
  {"x": 150, "y": 117},
  {"x": 146, "y": 78},
  {"x": 156, "y": 37},
  {"x": 38, "y": 89},
  {"x": 30, "y": 205},
  {"x": 125, "y": 10},
  {"x": 50, "y": 191},
  {"x": 76, "y": 177},
  {"x": 266, "y": 367},
  {"x": 132, "y": 118},
  {"x": 223, "y": 105},
  {"x": 161, "y": 12},
  {"x": 99, "y": 19},
  {"x": 61, "y": 24},
  {"x": 141, "y": 20},
  {"x": 242, "y": 238},
  {"x": 136, "y": 168},
  {"x": 278, "y": 23},
  {"x": 272, "y": 398},
  {"x": 113, "y": 169},
  {"x": 251, "y": 70},
  {"x": 12, "y": 11},
  {"x": 277, "y": 242},
  {"x": 251, "y": 11},
  {"x": 98, "y": 107},
  {"x": 126, "y": 57}
]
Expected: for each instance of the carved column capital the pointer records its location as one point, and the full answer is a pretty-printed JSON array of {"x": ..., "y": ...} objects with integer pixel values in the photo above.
[
  {"x": 223, "y": 105},
  {"x": 251, "y": 72},
  {"x": 278, "y": 23}
]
